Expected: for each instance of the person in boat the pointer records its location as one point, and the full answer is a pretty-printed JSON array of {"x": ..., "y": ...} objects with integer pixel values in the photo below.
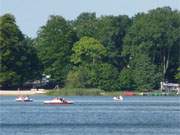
[
  {"x": 61, "y": 99},
  {"x": 119, "y": 97},
  {"x": 26, "y": 97}
]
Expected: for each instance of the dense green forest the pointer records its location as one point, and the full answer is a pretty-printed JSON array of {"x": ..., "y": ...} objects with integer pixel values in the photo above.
[{"x": 106, "y": 52}]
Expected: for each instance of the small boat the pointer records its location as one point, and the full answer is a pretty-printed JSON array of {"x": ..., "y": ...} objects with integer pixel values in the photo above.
[
  {"x": 118, "y": 98},
  {"x": 24, "y": 99},
  {"x": 60, "y": 101}
]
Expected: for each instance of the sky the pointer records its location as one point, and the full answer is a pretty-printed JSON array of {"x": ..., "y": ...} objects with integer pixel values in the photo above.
[{"x": 32, "y": 14}]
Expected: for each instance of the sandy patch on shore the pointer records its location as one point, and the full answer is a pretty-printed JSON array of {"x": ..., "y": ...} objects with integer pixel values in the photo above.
[{"x": 19, "y": 92}]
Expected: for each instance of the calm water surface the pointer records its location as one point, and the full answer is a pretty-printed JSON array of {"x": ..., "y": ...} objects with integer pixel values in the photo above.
[{"x": 91, "y": 116}]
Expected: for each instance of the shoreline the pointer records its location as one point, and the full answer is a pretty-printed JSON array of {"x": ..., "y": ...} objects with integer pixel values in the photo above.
[
  {"x": 22, "y": 92},
  {"x": 77, "y": 93},
  {"x": 98, "y": 92}
]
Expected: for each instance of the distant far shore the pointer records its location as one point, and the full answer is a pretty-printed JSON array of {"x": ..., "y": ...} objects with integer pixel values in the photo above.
[{"x": 22, "y": 92}]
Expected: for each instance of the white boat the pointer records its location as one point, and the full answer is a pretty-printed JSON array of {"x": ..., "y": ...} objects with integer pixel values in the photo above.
[
  {"x": 119, "y": 98},
  {"x": 60, "y": 101},
  {"x": 24, "y": 99}
]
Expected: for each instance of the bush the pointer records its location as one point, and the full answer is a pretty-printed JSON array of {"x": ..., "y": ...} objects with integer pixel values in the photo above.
[
  {"x": 73, "y": 80},
  {"x": 75, "y": 92},
  {"x": 126, "y": 81}
]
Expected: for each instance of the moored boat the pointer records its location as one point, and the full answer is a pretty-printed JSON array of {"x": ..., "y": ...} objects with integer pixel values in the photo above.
[
  {"x": 60, "y": 101},
  {"x": 118, "y": 98},
  {"x": 24, "y": 99}
]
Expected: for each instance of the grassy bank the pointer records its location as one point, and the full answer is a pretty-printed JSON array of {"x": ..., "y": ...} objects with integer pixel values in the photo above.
[
  {"x": 82, "y": 92},
  {"x": 98, "y": 92},
  {"x": 75, "y": 92}
]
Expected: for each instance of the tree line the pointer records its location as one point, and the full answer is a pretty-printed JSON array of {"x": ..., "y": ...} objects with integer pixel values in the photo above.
[{"x": 107, "y": 52}]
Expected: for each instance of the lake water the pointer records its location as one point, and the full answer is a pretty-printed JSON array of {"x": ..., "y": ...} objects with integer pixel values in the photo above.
[{"x": 91, "y": 116}]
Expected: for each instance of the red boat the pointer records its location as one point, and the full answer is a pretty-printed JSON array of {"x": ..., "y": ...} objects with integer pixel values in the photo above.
[
  {"x": 60, "y": 101},
  {"x": 128, "y": 93}
]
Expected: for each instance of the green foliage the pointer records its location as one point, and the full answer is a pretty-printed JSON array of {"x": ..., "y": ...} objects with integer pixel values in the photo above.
[
  {"x": 75, "y": 92},
  {"x": 8, "y": 79},
  {"x": 87, "y": 50},
  {"x": 113, "y": 52},
  {"x": 156, "y": 34},
  {"x": 111, "y": 31},
  {"x": 32, "y": 66},
  {"x": 108, "y": 30},
  {"x": 140, "y": 74},
  {"x": 106, "y": 76},
  {"x": 19, "y": 62},
  {"x": 126, "y": 79},
  {"x": 90, "y": 70},
  {"x": 85, "y": 25},
  {"x": 145, "y": 74},
  {"x": 177, "y": 76},
  {"x": 73, "y": 80},
  {"x": 54, "y": 43},
  {"x": 101, "y": 75}
]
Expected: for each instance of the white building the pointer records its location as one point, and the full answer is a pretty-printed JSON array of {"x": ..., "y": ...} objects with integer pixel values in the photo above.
[{"x": 170, "y": 87}]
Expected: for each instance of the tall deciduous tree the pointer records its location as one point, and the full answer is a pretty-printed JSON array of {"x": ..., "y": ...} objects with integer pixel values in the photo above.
[
  {"x": 18, "y": 59},
  {"x": 126, "y": 79},
  {"x": 145, "y": 74},
  {"x": 54, "y": 44},
  {"x": 156, "y": 34},
  {"x": 88, "y": 50},
  {"x": 85, "y": 25},
  {"x": 110, "y": 32},
  {"x": 90, "y": 70}
]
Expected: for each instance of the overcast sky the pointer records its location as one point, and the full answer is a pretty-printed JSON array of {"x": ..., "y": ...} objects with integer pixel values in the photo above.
[{"x": 31, "y": 14}]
